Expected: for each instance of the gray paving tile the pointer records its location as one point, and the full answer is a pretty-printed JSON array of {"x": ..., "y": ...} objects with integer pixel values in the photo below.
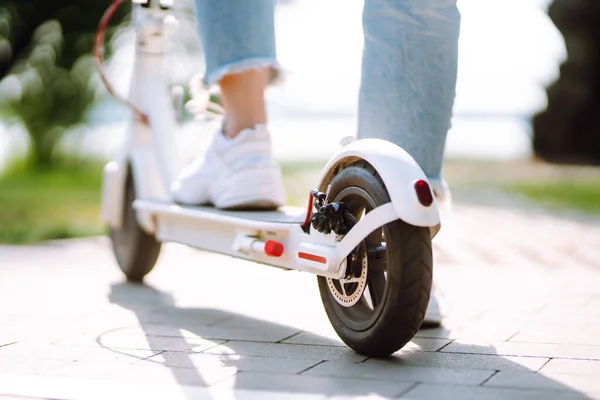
[
  {"x": 75, "y": 353},
  {"x": 151, "y": 329},
  {"x": 451, "y": 392},
  {"x": 267, "y": 333},
  {"x": 41, "y": 330},
  {"x": 13, "y": 364},
  {"x": 555, "y": 382},
  {"x": 237, "y": 362},
  {"x": 264, "y": 395},
  {"x": 282, "y": 350},
  {"x": 116, "y": 340},
  {"x": 5, "y": 317},
  {"x": 181, "y": 316},
  {"x": 526, "y": 349},
  {"x": 106, "y": 318},
  {"x": 6, "y": 343},
  {"x": 136, "y": 373},
  {"x": 577, "y": 367},
  {"x": 303, "y": 384},
  {"x": 239, "y": 321},
  {"x": 31, "y": 387},
  {"x": 566, "y": 335},
  {"x": 314, "y": 339},
  {"x": 426, "y": 344},
  {"x": 474, "y": 331},
  {"x": 400, "y": 373},
  {"x": 174, "y": 317},
  {"x": 436, "y": 333},
  {"x": 462, "y": 361},
  {"x": 264, "y": 334},
  {"x": 309, "y": 338}
]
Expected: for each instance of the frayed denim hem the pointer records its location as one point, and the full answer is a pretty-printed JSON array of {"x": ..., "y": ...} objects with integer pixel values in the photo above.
[{"x": 277, "y": 73}]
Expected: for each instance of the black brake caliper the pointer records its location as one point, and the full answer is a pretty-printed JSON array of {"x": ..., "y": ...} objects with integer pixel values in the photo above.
[
  {"x": 330, "y": 217},
  {"x": 335, "y": 217}
]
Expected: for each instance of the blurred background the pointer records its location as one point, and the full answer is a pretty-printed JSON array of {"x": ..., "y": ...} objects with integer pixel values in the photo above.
[{"x": 526, "y": 125}]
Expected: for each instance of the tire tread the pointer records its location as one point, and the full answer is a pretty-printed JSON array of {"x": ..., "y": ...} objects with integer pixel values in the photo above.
[{"x": 141, "y": 254}]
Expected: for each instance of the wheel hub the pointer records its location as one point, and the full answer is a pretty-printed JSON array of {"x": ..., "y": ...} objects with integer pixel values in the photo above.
[{"x": 348, "y": 290}]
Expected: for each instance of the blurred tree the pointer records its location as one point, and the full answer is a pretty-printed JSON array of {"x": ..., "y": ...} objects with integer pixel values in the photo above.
[
  {"x": 568, "y": 131},
  {"x": 46, "y": 66}
]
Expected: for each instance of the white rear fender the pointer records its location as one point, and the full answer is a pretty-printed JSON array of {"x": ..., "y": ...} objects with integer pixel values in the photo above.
[{"x": 399, "y": 172}]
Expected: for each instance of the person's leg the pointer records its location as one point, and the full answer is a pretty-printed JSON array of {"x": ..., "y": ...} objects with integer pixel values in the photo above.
[
  {"x": 238, "y": 39},
  {"x": 408, "y": 85},
  {"x": 243, "y": 97},
  {"x": 409, "y": 76}
]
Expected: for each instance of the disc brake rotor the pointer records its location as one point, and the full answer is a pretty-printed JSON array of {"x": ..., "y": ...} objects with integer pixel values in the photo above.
[{"x": 347, "y": 291}]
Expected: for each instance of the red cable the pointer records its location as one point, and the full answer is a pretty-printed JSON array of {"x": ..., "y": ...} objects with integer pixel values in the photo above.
[
  {"x": 307, "y": 218},
  {"x": 98, "y": 55}
]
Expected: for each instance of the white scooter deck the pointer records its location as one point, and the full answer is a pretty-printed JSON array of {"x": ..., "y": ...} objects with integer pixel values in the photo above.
[
  {"x": 265, "y": 220},
  {"x": 275, "y": 238},
  {"x": 283, "y": 215}
]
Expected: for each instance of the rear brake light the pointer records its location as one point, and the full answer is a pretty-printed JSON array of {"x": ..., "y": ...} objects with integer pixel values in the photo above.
[{"x": 424, "y": 193}]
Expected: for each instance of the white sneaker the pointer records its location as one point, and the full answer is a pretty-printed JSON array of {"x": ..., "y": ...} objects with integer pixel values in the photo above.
[
  {"x": 443, "y": 198},
  {"x": 235, "y": 173},
  {"x": 433, "y": 315}
]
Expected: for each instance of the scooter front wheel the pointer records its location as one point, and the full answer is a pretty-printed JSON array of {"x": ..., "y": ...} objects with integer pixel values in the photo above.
[
  {"x": 136, "y": 250},
  {"x": 380, "y": 304}
]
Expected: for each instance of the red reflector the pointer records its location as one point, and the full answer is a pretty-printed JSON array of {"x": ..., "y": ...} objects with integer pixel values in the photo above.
[
  {"x": 312, "y": 257},
  {"x": 273, "y": 248},
  {"x": 423, "y": 193}
]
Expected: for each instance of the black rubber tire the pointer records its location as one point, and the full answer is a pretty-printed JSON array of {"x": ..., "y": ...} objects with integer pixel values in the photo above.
[
  {"x": 136, "y": 251},
  {"x": 409, "y": 276}
]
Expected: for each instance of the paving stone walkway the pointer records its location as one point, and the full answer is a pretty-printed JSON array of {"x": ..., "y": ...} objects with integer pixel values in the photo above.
[{"x": 521, "y": 289}]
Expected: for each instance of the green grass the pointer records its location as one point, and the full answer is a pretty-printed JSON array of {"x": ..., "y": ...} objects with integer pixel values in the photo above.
[
  {"x": 65, "y": 202},
  {"x": 563, "y": 195},
  {"x": 60, "y": 203}
]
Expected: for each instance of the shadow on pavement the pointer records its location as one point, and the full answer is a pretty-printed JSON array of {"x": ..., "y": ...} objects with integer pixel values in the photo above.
[{"x": 159, "y": 317}]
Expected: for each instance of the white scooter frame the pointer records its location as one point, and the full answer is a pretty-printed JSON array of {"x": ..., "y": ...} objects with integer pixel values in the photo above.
[{"x": 282, "y": 238}]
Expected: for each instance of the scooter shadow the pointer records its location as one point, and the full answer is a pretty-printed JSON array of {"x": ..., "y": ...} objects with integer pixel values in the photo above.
[{"x": 151, "y": 305}]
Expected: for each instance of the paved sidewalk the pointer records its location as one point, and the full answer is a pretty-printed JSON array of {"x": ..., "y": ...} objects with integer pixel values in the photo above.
[{"x": 522, "y": 290}]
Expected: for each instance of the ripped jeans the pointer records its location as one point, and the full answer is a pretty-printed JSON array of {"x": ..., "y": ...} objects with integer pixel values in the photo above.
[{"x": 409, "y": 65}]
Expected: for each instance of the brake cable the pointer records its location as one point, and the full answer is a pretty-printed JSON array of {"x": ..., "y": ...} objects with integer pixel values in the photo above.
[{"x": 99, "y": 58}]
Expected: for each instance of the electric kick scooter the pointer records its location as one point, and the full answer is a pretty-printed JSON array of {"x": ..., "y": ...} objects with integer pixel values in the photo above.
[{"x": 366, "y": 232}]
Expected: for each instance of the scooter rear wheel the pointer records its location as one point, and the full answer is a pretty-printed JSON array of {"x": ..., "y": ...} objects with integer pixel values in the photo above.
[
  {"x": 136, "y": 250},
  {"x": 379, "y": 306}
]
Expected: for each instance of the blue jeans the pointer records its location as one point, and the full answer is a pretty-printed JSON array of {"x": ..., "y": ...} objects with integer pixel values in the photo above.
[{"x": 408, "y": 69}]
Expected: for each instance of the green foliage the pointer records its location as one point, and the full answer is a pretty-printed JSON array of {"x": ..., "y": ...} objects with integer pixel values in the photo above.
[
  {"x": 46, "y": 98},
  {"x": 46, "y": 68},
  {"x": 563, "y": 195},
  {"x": 59, "y": 203}
]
